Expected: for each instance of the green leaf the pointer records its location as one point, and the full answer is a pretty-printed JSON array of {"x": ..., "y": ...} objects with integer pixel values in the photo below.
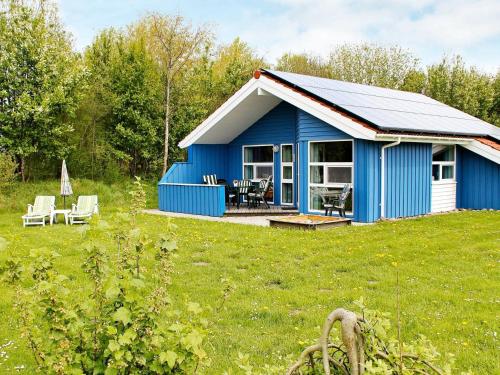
[
  {"x": 113, "y": 346},
  {"x": 192, "y": 340},
  {"x": 112, "y": 330},
  {"x": 111, "y": 371},
  {"x": 170, "y": 357},
  {"x": 122, "y": 315},
  {"x": 112, "y": 292},
  {"x": 127, "y": 337}
]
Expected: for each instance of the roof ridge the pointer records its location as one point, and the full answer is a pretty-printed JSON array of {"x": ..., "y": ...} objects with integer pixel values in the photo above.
[{"x": 351, "y": 83}]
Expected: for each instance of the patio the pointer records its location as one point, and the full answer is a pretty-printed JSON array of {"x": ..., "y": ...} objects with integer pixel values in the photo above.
[{"x": 244, "y": 210}]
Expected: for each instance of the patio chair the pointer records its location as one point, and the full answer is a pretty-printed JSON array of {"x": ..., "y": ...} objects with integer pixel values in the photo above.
[
  {"x": 84, "y": 209},
  {"x": 40, "y": 211},
  {"x": 210, "y": 179},
  {"x": 259, "y": 195},
  {"x": 340, "y": 201},
  {"x": 243, "y": 188},
  {"x": 327, "y": 205}
]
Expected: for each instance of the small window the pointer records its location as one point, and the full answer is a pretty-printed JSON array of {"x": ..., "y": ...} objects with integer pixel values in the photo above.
[
  {"x": 248, "y": 172},
  {"x": 317, "y": 174},
  {"x": 447, "y": 172},
  {"x": 331, "y": 152},
  {"x": 443, "y": 163},
  {"x": 263, "y": 171},
  {"x": 436, "y": 174},
  {"x": 287, "y": 173},
  {"x": 286, "y": 154},
  {"x": 259, "y": 154},
  {"x": 339, "y": 175},
  {"x": 446, "y": 153}
]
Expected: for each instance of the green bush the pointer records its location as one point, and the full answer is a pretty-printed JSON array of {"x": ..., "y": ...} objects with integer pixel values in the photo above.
[
  {"x": 8, "y": 167},
  {"x": 126, "y": 323}
]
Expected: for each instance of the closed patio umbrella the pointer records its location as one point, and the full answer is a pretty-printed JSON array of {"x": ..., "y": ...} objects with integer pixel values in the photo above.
[{"x": 65, "y": 184}]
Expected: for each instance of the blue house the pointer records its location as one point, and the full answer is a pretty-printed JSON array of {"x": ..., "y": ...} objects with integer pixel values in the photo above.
[{"x": 403, "y": 153}]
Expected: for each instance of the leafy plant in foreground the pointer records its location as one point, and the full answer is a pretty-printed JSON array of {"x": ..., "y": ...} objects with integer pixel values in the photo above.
[
  {"x": 364, "y": 346},
  {"x": 125, "y": 323}
]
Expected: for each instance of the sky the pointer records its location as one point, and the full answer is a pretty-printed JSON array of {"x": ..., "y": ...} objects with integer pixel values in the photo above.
[{"x": 428, "y": 28}]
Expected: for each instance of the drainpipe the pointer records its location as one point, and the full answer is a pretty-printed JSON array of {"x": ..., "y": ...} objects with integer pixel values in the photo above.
[{"x": 382, "y": 175}]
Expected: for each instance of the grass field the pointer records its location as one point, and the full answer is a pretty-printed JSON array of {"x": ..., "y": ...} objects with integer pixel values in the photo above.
[{"x": 287, "y": 281}]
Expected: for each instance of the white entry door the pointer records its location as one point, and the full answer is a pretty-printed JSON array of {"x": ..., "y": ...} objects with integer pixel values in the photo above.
[{"x": 444, "y": 184}]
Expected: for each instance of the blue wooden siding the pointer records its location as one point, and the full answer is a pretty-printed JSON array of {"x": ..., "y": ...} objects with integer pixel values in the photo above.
[
  {"x": 310, "y": 128},
  {"x": 478, "y": 181},
  {"x": 192, "y": 199},
  {"x": 366, "y": 180},
  {"x": 274, "y": 128},
  {"x": 176, "y": 192},
  {"x": 202, "y": 160},
  {"x": 408, "y": 180}
]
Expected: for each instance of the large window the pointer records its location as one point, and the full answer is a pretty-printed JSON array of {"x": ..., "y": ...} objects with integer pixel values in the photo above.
[
  {"x": 330, "y": 166},
  {"x": 443, "y": 163},
  {"x": 257, "y": 162}
]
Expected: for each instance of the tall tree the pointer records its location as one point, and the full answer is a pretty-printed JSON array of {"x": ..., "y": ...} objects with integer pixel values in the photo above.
[
  {"x": 40, "y": 79},
  {"x": 175, "y": 42},
  {"x": 304, "y": 63},
  {"x": 372, "y": 64},
  {"x": 465, "y": 88},
  {"x": 135, "y": 126},
  {"x": 233, "y": 66}
]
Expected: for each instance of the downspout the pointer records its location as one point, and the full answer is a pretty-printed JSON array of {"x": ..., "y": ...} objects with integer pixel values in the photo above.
[{"x": 382, "y": 176}]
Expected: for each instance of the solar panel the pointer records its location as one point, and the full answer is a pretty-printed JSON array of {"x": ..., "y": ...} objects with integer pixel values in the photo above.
[{"x": 391, "y": 109}]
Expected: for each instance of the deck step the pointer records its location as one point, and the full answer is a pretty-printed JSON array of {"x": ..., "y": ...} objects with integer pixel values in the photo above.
[{"x": 272, "y": 211}]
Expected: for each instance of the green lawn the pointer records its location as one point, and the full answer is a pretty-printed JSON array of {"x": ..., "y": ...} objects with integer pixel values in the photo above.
[{"x": 287, "y": 281}]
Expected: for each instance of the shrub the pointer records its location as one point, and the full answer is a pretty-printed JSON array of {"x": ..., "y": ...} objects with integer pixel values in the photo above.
[
  {"x": 126, "y": 323},
  {"x": 8, "y": 167}
]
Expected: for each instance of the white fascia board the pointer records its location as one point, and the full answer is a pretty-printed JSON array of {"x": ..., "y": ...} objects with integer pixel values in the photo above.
[
  {"x": 316, "y": 109},
  {"x": 484, "y": 150},
  {"x": 423, "y": 139},
  {"x": 294, "y": 98},
  {"x": 219, "y": 113}
]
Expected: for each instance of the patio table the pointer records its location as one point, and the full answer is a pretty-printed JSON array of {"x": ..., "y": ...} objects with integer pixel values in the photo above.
[
  {"x": 62, "y": 212},
  {"x": 237, "y": 191}
]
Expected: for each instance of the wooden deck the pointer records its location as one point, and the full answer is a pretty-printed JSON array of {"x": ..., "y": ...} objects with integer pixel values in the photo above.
[{"x": 259, "y": 211}]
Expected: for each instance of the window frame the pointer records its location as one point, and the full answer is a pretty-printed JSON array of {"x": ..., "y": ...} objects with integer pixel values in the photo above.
[
  {"x": 287, "y": 180},
  {"x": 256, "y": 164},
  {"x": 325, "y": 166},
  {"x": 442, "y": 164}
]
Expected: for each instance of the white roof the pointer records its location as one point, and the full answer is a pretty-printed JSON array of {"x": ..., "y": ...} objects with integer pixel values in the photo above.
[{"x": 391, "y": 109}]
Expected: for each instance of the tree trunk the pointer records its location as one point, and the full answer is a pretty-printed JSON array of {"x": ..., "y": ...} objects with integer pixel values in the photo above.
[
  {"x": 167, "y": 124},
  {"x": 22, "y": 166}
]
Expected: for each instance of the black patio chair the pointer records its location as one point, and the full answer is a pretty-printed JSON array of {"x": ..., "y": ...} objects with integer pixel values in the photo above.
[
  {"x": 260, "y": 193},
  {"x": 243, "y": 188}
]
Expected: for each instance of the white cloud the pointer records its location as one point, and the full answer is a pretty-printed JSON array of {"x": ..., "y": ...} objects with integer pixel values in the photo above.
[{"x": 430, "y": 28}]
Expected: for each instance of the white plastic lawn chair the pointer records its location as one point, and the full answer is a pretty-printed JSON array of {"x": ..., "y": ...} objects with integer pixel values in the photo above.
[
  {"x": 84, "y": 209},
  {"x": 40, "y": 211}
]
